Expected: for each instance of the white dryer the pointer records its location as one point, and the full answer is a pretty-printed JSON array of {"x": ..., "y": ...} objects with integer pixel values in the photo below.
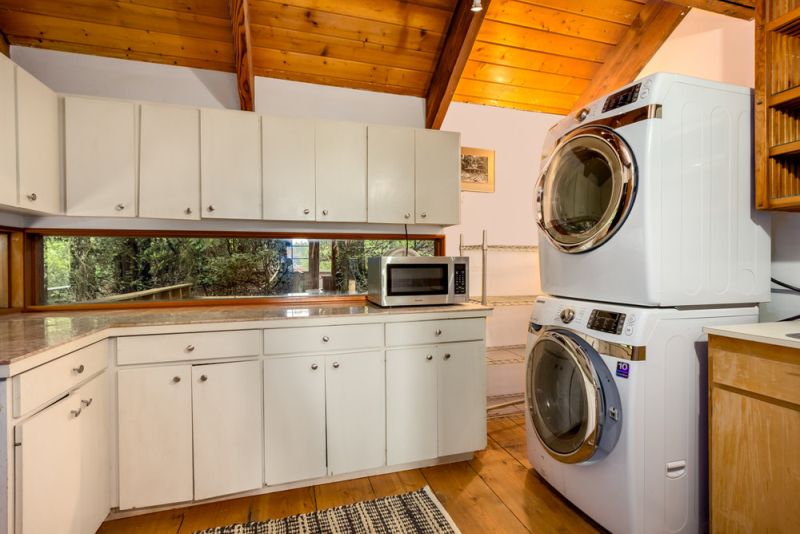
[
  {"x": 645, "y": 197},
  {"x": 616, "y": 410}
]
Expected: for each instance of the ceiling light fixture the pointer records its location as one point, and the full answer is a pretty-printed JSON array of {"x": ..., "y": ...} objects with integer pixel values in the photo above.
[{"x": 476, "y": 6}]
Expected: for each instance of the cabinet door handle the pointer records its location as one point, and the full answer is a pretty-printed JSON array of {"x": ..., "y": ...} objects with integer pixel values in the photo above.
[
  {"x": 423, "y": 214},
  {"x": 203, "y": 378},
  {"x": 119, "y": 207},
  {"x": 188, "y": 211},
  {"x": 438, "y": 332},
  {"x": 79, "y": 369},
  {"x": 211, "y": 207},
  {"x": 335, "y": 365},
  {"x": 324, "y": 212},
  {"x": 429, "y": 357},
  {"x": 176, "y": 379},
  {"x": 76, "y": 413},
  {"x": 447, "y": 356},
  {"x": 32, "y": 197},
  {"x": 314, "y": 366},
  {"x": 407, "y": 215},
  {"x": 306, "y": 211},
  {"x": 325, "y": 339},
  {"x": 189, "y": 348},
  {"x": 87, "y": 403}
]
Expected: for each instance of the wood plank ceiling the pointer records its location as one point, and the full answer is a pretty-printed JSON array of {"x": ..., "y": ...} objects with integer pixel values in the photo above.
[{"x": 538, "y": 55}]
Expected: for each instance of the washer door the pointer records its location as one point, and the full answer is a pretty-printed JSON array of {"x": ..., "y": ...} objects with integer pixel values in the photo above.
[
  {"x": 572, "y": 399},
  {"x": 586, "y": 190}
]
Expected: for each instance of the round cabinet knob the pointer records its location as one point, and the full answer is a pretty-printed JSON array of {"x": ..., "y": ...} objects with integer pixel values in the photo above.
[
  {"x": 79, "y": 369},
  {"x": 188, "y": 211},
  {"x": 335, "y": 365},
  {"x": 87, "y": 403},
  {"x": 176, "y": 379},
  {"x": 119, "y": 207},
  {"x": 423, "y": 214},
  {"x": 314, "y": 366},
  {"x": 203, "y": 378},
  {"x": 429, "y": 357},
  {"x": 324, "y": 212},
  {"x": 189, "y": 348},
  {"x": 32, "y": 197},
  {"x": 438, "y": 332},
  {"x": 447, "y": 356},
  {"x": 325, "y": 339},
  {"x": 306, "y": 211},
  {"x": 567, "y": 315},
  {"x": 76, "y": 413},
  {"x": 211, "y": 208},
  {"x": 407, "y": 215}
]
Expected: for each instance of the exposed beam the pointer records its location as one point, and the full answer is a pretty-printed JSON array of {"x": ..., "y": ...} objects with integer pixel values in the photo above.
[
  {"x": 4, "y": 45},
  {"x": 649, "y": 30},
  {"x": 243, "y": 53},
  {"x": 461, "y": 35},
  {"x": 741, "y": 9}
]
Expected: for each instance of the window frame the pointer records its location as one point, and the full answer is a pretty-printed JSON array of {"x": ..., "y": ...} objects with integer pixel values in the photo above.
[
  {"x": 15, "y": 267},
  {"x": 34, "y": 267}
]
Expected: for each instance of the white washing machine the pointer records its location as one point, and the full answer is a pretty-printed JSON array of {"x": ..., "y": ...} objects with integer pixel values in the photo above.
[
  {"x": 616, "y": 410},
  {"x": 645, "y": 198}
]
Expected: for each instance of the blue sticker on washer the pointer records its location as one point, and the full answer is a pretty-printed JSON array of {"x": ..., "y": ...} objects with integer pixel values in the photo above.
[{"x": 623, "y": 368}]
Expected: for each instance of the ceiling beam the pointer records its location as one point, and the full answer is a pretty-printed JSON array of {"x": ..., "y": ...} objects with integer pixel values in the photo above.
[
  {"x": 651, "y": 27},
  {"x": 741, "y": 9},
  {"x": 243, "y": 53},
  {"x": 461, "y": 35},
  {"x": 4, "y": 45}
]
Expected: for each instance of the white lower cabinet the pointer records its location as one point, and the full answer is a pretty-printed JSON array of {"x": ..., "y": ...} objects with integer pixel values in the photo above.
[
  {"x": 461, "y": 397},
  {"x": 62, "y": 464}
]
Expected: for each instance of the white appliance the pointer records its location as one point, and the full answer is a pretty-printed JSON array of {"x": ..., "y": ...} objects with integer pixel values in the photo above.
[
  {"x": 645, "y": 198},
  {"x": 616, "y": 410}
]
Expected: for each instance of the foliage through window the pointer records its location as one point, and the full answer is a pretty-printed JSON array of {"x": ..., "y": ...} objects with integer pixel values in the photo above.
[{"x": 83, "y": 269}]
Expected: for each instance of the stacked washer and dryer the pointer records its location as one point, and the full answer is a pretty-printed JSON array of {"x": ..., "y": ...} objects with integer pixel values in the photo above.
[{"x": 646, "y": 235}]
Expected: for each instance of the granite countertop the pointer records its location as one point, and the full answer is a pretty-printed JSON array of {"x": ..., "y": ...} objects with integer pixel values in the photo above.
[
  {"x": 25, "y": 334},
  {"x": 785, "y": 333}
]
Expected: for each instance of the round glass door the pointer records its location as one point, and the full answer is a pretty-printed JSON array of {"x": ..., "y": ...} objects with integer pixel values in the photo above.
[{"x": 586, "y": 189}]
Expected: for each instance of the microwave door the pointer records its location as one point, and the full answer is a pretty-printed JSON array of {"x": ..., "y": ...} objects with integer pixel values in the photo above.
[{"x": 422, "y": 279}]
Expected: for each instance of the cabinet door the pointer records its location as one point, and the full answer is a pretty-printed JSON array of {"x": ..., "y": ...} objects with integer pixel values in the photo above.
[
  {"x": 294, "y": 418},
  {"x": 226, "y": 409},
  {"x": 100, "y": 157},
  {"x": 95, "y": 489},
  {"x": 230, "y": 164},
  {"x": 38, "y": 145},
  {"x": 355, "y": 410},
  {"x": 169, "y": 162},
  {"x": 341, "y": 149},
  {"x": 462, "y": 397},
  {"x": 289, "y": 169},
  {"x": 48, "y": 470},
  {"x": 410, "y": 405},
  {"x": 390, "y": 174},
  {"x": 8, "y": 133},
  {"x": 155, "y": 436},
  {"x": 437, "y": 168}
]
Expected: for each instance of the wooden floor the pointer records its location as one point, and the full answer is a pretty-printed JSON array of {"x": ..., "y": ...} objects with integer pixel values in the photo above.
[{"x": 494, "y": 492}]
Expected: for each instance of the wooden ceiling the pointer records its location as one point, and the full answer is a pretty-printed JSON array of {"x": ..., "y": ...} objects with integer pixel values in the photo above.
[{"x": 538, "y": 55}]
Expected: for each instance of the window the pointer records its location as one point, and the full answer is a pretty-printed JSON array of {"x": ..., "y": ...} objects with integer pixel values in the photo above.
[{"x": 118, "y": 269}]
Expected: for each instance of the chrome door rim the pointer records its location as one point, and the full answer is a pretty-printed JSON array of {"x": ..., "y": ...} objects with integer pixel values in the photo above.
[
  {"x": 623, "y": 192},
  {"x": 591, "y": 438}
]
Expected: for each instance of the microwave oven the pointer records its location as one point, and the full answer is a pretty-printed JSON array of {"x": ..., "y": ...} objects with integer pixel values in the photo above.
[{"x": 417, "y": 280}]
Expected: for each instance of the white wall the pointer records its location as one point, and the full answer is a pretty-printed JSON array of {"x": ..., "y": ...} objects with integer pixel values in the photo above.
[{"x": 723, "y": 49}]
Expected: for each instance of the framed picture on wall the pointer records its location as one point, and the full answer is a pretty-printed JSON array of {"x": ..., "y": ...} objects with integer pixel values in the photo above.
[{"x": 477, "y": 170}]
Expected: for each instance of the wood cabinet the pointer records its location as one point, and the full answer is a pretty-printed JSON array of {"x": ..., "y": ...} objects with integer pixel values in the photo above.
[
  {"x": 100, "y": 157},
  {"x": 230, "y": 164},
  {"x": 777, "y": 110},
  {"x": 62, "y": 464},
  {"x": 169, "y": 162},
  {"x": 437, "y": 175},
  {"x": 38, "y": 145},
  {"x": 341, "y": 160},
  {"x": 8, "y": 133},
  {"x": 390, "y": 174},
  {"x": 289, "y": 179},
  {"x": 754, "y": 418}
]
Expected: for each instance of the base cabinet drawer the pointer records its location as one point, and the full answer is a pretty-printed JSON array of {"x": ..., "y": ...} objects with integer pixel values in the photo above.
[
  {"x": 432, "y": 332},
  {"x": 322, "y": 338},
  {"x": 189, "y": 346}
]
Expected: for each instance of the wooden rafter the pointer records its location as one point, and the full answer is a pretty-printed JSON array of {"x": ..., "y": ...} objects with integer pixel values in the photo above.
[
  {"x": 4, "y": 45},
  {"x": 243, "y": 53},
  {"x": 648, "y": 32},
  {"x": 741, "y": 9},
  {"x": 461, "y": 35}
]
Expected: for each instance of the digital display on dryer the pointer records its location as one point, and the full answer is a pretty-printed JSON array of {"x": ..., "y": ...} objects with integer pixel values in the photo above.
[{"x": 606, "y": 321}]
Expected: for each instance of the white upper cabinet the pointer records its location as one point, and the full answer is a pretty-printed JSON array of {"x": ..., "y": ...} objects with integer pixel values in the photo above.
[
  {"x": 100, "y": 154},
  {"x": 8, "y": 133},
  {"x": 341, "y": 156},
  {"x": 437, "y": 165},
  {"x": 169, "y": 162},
  {"x": 38, "y": 145},
  {"x": 230, "y": 164},
  {"x": 390, "y": 174},
  {"x": 289, "y": 169}
]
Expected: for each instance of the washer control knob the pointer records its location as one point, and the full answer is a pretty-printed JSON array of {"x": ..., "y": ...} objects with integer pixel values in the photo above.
[
  {"x": 582, "y": 114},
  {"x": 567, "y": 315}
]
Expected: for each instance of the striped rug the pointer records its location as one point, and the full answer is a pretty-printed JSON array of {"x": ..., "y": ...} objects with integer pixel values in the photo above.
[{"x": 415, "y": 512}]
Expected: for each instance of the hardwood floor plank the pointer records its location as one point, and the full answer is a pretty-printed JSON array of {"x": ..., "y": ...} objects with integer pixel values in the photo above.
[
  {"x": 395, "y": 483},
  {"x": 499, "y": 424},
  {"x": 518, "y": 418},
  {"x": 215, "y": 514},
  {"x": 283, "y": 504},
  {"x": 538, "y": 506},
  {"x": 158, "y": 523},
  {"x": 470, "y": 502},
  {"x": 345, "y": 492}
]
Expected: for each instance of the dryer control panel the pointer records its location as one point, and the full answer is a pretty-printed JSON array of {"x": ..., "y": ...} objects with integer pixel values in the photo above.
[
  {"x": 622, "y": 98},
  {"x": 606, "y": 321}
]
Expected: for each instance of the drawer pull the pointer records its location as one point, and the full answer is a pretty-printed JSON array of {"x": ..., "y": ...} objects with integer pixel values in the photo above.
[
  {"x": 325, "y": 339},
  {"x": 314, "y": 366},
  {"x": 79, "y": 369},
  {"x": 438, "y": 332},
  {"x": 32, "y": 197},
  {"x": 306, "y": 211},
  {"x": 447, "y": 356},
  {"x": 203, "y": 378},
  {"x": 335, "y": 365},
  {"x": 189, "y": 348},
  {"x": 87, "y": 403},
  {"x": 76, "y": 413},
  {"x": 429, "y": 357},
  {"x": 119, "y": 207},
  {"x": 176, "y": 379}
]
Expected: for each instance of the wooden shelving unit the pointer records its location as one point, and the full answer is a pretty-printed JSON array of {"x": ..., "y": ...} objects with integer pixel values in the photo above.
[{"x": 777, "y": 115}]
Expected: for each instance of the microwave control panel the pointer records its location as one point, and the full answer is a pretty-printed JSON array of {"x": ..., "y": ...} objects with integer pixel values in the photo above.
[{"x": 460, "y": 279}]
